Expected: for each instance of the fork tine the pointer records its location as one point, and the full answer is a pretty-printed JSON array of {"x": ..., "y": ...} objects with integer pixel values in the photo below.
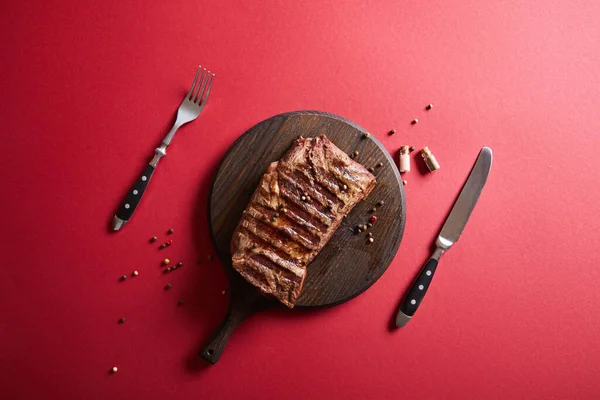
[
  {"x": 194, "y": 83},
  {"x": 199, "y": 88},
  {"x": 204, "y": 96}
]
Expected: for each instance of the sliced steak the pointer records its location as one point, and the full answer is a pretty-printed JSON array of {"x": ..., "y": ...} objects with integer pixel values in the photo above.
[{"x": 298, "y": 205}]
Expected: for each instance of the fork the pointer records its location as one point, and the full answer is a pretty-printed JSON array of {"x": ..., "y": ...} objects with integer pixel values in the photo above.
[{"x": 190, "y": 108}]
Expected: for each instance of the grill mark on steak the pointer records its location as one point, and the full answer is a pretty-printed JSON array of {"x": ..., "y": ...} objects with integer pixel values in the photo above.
[
  {"x": 296, "y": 210},
  {"x": 305, "y": 179},
  {"x": 309, "y": 211},
  {"x": 257, "y": 245},
  {"x": 282, "y": 285},
  {"x": 291, "y": 274},
  {"x": 285, "y": 225},
  {"x": 283, "y": 234},
  {"x": 289, "y": 247}
]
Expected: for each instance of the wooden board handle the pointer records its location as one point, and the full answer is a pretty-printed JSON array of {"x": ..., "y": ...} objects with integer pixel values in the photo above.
[{"x": 243, "y": 304}]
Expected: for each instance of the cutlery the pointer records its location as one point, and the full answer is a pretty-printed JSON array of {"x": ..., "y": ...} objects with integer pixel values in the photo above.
[
  {"x": 190, "y": 108},
  {"x": 449, "y": 235}
]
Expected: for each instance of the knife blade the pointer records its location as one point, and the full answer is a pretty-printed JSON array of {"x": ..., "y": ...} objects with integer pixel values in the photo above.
[{"x": 453, "y": 227}]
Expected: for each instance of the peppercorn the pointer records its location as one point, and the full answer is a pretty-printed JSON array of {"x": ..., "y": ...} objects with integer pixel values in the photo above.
[
  {"x": 429, "y": 106},
  {"x": 307, "y": 198},
  {"x": 359, "y": 230},
  {"x": 370, "y": 225},
  {"x": 371, "y": 240},
  {"x": 404, "y": 182},
  {"x": 169, "y": 242},
  {"x": 168, "y": 270},
  {"x": 303, "y": 198},
  {"x": 170, "y": 231},
  {"x": 135, "y": 273},
  {"x": 345, "y": 187},
  {"x": 380, "y": 203},
  {"x": 162, "y": 246},
  {"x": 356, "y": 154},
  {"x": 411, "y": 149},
  {"x": 371, "y": 170},
  {"x": 124, "y": 277},
  {"x": 369, "y": 234},
  {"x": 169, "y": 286},
  {"x": 114, "y": 369},
  {"x": 284, "y": 210},
  {"x": 367, "y": 135},
  {"x": 121, "y": 320},
  {"x": 181, "y": 302},
  {"x": 373, "y": 209},
  {"x": 153, "y": 239},
  {"x": 373, "y": 218},
  {"x": 379, "y": 165},
  {"x": 414, "y": 121},
  {"x": 223, "y": 292},
  {"x": 180, "y": 264},
  {"x": 365, "y": 227},
  {"x": 392, "y": 131},
  {"x": 166, "y": 261}
]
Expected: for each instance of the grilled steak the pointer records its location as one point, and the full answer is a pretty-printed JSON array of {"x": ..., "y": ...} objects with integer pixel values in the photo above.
[{"x": 298, "y": 205}]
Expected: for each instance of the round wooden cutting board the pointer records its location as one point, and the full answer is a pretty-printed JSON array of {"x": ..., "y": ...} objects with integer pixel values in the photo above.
[{"x": 348, "y": 264}]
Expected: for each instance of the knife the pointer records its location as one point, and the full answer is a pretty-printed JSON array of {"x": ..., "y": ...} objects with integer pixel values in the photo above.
[{"x": 454, "y": 225}]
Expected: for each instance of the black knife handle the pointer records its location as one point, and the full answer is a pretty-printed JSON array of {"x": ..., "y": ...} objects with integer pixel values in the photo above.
[
  {"x": 133, "y": 197},
  {"x": 416, "y": 293}
]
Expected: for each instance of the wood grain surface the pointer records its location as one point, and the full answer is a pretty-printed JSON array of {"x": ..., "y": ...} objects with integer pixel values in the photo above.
[{"x": 348, "y": 264}]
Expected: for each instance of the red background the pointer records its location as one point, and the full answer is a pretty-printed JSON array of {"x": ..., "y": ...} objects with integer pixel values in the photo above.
[{"x": 90, "y": 88}]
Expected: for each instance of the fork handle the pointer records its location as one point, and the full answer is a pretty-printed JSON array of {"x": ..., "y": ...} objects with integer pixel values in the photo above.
[{"x": 132, "y": 199}]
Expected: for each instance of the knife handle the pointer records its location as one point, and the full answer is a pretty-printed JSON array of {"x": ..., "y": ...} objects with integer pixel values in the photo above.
[
  {"x": 133, "y": 197},
  {"x": 416, "y": 293}
]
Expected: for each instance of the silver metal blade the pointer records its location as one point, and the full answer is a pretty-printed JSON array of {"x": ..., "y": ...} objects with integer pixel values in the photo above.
[
  {"x": 456, "y": 221},
  {"x": 118, "y": 223}
]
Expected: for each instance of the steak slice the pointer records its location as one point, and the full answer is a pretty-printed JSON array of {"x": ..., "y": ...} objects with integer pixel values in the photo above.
[{"x": 298, "y": 205}]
